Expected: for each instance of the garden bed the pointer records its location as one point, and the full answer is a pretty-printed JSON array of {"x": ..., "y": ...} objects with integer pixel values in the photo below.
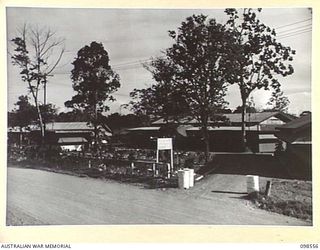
[
  {"x": 114, "y": 172},
  {"x": 135, "y": 166}
]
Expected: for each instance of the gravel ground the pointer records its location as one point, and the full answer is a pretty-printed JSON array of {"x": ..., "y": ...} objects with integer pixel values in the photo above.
[
  {"x": 16, "y": 217},
  {"x": 38, "y": 197}
]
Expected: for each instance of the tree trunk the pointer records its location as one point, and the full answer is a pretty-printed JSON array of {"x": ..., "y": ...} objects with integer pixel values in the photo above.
[
  {"x": 243, "y": 125},
  {"x": 35, "y": 98},
  {"x": 40, "y": 122},
  {"x": 207, "y": 150},
  {"x": 41, "y": 129},
  {"x": 206, "y": 142},
  {"x": 20, "y": 138},
  {"x": 95, "y": 124}
]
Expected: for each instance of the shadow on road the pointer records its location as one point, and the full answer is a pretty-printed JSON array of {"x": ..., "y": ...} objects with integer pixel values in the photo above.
[{"x": 228, "y": 192}]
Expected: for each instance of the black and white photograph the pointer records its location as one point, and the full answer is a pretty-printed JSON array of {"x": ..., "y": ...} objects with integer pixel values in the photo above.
[{"x": 159, "y": 116}]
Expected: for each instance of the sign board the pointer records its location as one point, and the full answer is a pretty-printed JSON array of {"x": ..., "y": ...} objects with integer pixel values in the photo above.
[{"x": 164, "y": 143}]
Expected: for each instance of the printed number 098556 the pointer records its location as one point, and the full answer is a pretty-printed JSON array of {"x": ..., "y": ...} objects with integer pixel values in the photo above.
[{"x": 310, "y": 246}]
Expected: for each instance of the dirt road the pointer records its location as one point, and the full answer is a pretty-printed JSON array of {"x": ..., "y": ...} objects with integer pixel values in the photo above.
[{"x": 38, "y": 197}]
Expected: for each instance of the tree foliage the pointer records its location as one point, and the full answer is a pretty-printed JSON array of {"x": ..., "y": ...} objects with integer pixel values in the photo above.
[
  {"x": 191, "y": 77},
  {"x": 259, "y": 59},
  {"x": 49, "y": 112},
  {"x": 278, "y": 101},
  {"x": 26, "y": 114},
  {"x": 75, "y": 115},
  {"x": 94, "y": 81},
  {"x": 159, "y": 100},
  {"x": 201, "y": 65},
  {"x": 304, "y": 113},
  {"x": 117, "y": 121},
  {"x": 34, "y": 50},
  {"x": 248, "y": 109}
]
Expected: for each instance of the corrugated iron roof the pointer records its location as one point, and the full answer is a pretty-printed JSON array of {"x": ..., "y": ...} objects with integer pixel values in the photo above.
[
  {"x": 18, "y": 129},
  {"x": 162, "y": 121},
  {"x": 250, "y": 117},
  {"x": 297, "y": 123},
  {"x": 74, "y": 126},
  {"x": 63, "y": 127},
  {"x": 232, "y": 118},
  {"x": 72, "y": 140},
  {"x": 224, "y": 128},
  {"x": 144, "y": 129},
  {"x": 68, "y": 126}
]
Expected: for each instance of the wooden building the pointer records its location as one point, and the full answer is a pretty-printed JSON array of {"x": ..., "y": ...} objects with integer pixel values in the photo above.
[
  {"x": 298, "y": 150},
  {"x": 68, "y": 135},
  {"x": 225, "y": 135}
]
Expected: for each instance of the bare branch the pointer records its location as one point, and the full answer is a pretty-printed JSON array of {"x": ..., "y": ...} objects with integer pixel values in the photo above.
[
  {"x": 48, "y": 35},
  {"x": 58, "y": 60},
  {"x": 41, "y": 44},
  {"x": 52, "y": 45}
]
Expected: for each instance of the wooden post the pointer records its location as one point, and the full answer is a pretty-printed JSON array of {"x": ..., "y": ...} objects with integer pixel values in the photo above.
[
  {"x": 157, "y": 155},
  {"x": 154, "y": 169},
  {"x": 171, "y": 170},
  {"x": 268, "y": 188}
]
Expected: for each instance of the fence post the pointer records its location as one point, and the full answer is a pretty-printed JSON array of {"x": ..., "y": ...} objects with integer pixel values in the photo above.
[
  {"x": 268, "y": 188},
  {"x": 168, "y": 169},
  {"x": 154, "y": 169}
]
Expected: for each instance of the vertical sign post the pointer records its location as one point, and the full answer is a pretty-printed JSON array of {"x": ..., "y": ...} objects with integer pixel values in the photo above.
[{"x": 165, "y": 144}]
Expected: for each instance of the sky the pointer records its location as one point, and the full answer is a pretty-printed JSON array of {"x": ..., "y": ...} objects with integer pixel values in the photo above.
[{"x": 133, "y": 36}]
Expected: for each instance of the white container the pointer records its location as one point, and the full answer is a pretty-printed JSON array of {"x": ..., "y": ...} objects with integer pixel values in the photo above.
[
  {"x": 191, "y": 177},
  {"x": 180, "y": 178},
  {"x": 183, "y": 179},
  {"x": 252, "y": 183}
]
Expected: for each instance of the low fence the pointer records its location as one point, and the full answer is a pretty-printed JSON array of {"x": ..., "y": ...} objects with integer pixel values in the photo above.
[{"x": 117, "y": 161}]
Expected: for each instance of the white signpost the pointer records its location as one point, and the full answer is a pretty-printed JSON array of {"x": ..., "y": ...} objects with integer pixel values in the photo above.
[{"x": 165, "y": 144}]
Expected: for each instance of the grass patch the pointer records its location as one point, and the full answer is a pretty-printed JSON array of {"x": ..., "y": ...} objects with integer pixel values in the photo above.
[{"x": 293, "y": 208}]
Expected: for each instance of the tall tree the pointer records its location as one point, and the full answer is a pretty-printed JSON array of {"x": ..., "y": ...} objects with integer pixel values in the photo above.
[
  {"x": 117, "y": 121},
  {"x": 24, "y": 114},
  {"x": 49, "y": 112},
  {"x": 258, "y": 57},
  {"x": 145, "y": 102},
  {"x": 248, "y": 109},
  {"x": 194, "y": 71},
  {"x": 94, "y": 81},
  {"x": 160, "y": 99},
  {"x": 75, "y": 115},
  {"x": 278, "y": 101},
  {"x": 37, "y": 53}
]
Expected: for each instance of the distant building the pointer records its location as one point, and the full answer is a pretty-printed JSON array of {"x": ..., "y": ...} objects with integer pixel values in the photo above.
[
  {"x": 225, "y": 134},
  {"x": 298, "y": 137},
  {"x": 68, "y": 135},
  {"x": 17, "y": 136}
]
